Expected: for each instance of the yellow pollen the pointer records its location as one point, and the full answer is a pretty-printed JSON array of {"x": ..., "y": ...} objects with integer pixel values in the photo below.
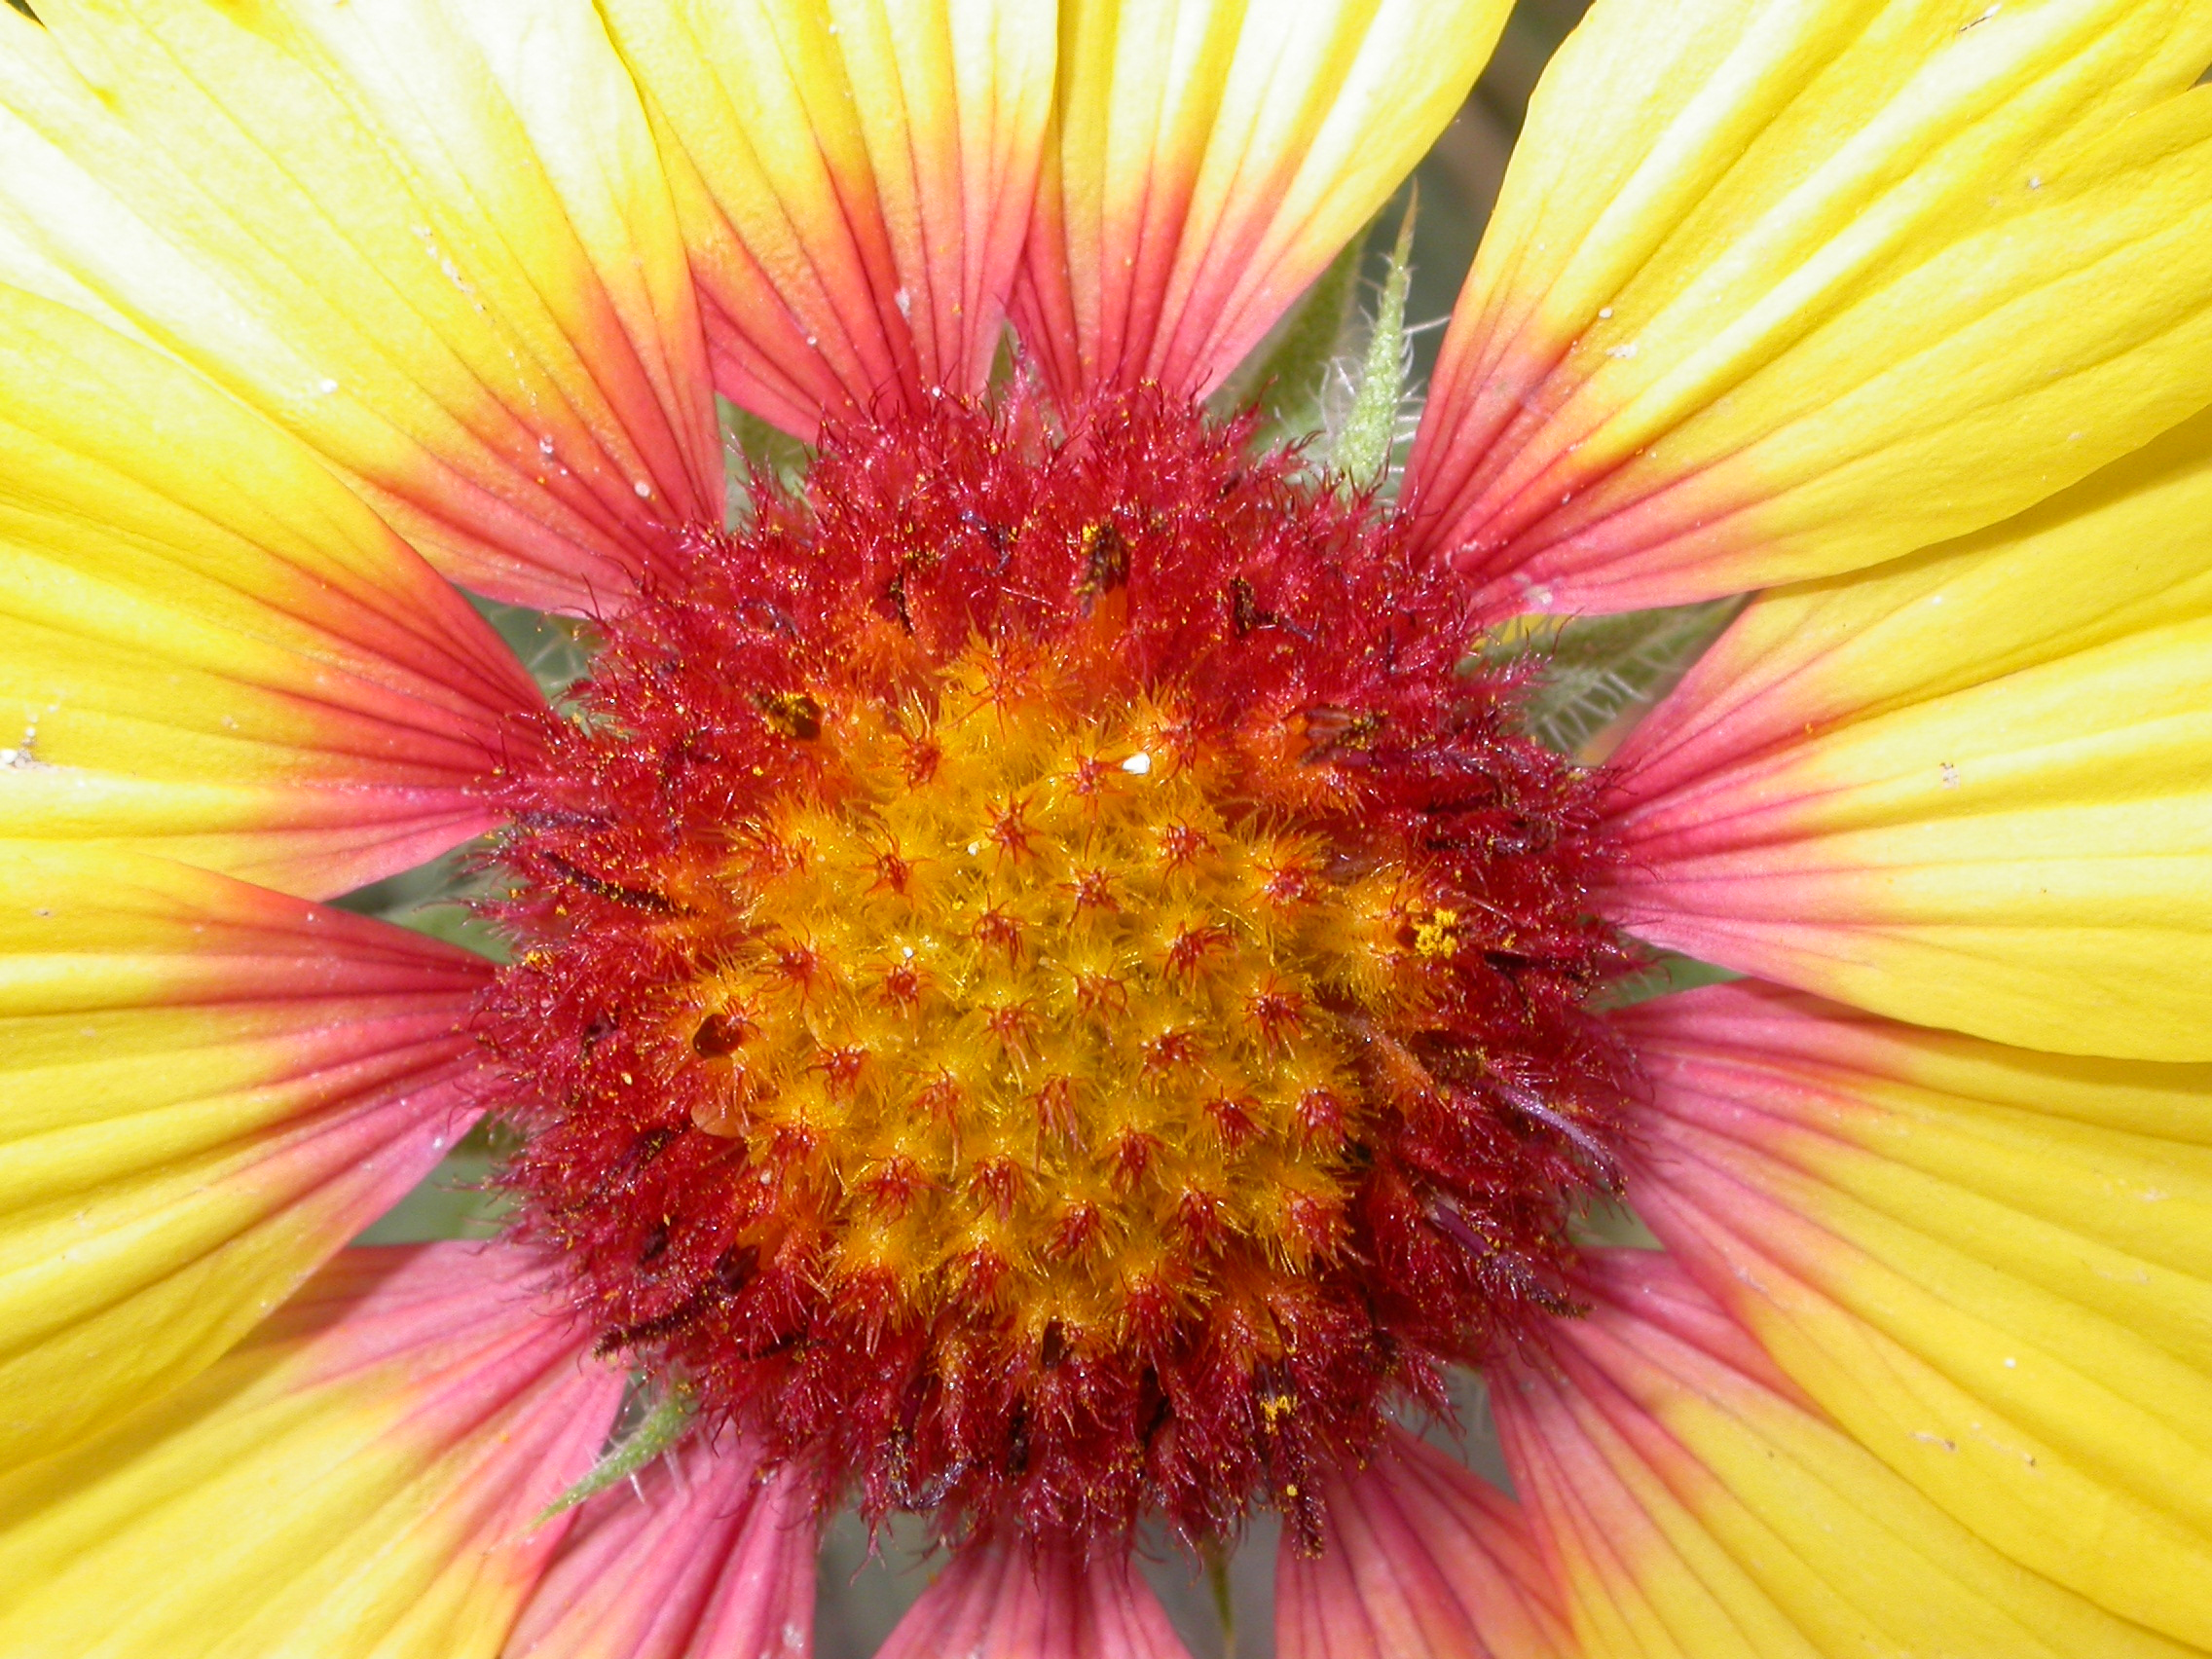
[{"x": 1437, "y": 936}]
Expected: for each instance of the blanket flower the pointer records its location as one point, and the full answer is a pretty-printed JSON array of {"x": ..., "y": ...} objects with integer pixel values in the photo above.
[{"x": 1050, "y": 977}]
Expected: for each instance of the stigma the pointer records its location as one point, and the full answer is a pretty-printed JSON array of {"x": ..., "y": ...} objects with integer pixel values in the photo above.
[{"x": 1045, "y": 989}]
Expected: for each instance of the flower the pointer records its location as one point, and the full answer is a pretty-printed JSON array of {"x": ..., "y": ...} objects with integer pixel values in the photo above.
[{"x": 1045, "y": 992}]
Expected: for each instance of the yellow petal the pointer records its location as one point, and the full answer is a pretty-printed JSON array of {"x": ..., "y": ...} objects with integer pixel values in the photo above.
[
  {"x": 1777, "y": 291},
  {"x": 1420, "y": 1555},
  {"x": 1210, "y": 158},
  {"x": 359, "y": 1477},
  {"x": 206, "y": 1089},
  {"x": 854, "y": 178},
  {"x": 1698, "y": 1507},
  {"x": 1973, "y": 789},
  {"x": 1991, "y": 1268},
  {"x": 709, "y": 1557},
  {"x": 209, "y": 647},
  {"x": 432, "y": 239}
]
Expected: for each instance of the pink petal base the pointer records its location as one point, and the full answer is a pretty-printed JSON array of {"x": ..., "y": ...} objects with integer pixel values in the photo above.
[
  {"x": 1420, "y": 1555},
  {"x": 502, "y": 1412},
  {"x": 1001, "y": 1602},
  {"x": 703, "y": 1559},
  {"x": 488, "y": 1369},
  {"x": 364, "y": 1473}
]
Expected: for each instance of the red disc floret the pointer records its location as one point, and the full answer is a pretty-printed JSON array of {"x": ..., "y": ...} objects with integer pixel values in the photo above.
[{"x": 1133, "y": 1148}]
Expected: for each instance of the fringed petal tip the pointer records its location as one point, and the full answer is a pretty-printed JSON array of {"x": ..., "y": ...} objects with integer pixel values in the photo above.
[
  {"x": 1209, "y": 158},
  {"x": 1775, "y": 292},
  {"x": 1988, "y": 1265},
  {"x": 708, "y": 1557},
  {"x": 1695, "y": 1505},
  {"x": 435, "y": 244},
  {"x": 358, "y": 1477},
  {"x": 1004, "y": 1601},
  {"x": 210, "y": 1087},
  {"x": 853, "y": 181},
  {"x": 1420, "y": 1555},
  {"x": 1969, "y": 788}
]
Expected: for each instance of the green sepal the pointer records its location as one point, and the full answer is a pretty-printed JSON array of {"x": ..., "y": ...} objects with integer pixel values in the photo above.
[
  {"x": 660, "y": 1429},
  {"x": 752, "y": 447},
  {"x": 1371, "y": 430},
  {"x": 1216, "y": 1559},
  {"x": 1286, "y": 383},
  {"x": 1596, "y": 668},
  {"x": 556, "y": 649}
]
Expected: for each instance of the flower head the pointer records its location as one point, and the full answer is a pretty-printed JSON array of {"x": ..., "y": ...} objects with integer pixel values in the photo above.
[
  {"x": 1056, "y": 971},
  {"x": 1038, "y": 942}
]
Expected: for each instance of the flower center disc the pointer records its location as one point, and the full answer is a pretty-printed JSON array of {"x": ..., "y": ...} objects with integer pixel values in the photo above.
[{"x": 1045, "y": 992}]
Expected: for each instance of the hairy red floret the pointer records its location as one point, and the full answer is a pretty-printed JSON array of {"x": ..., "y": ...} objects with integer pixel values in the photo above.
[{"x": 1042, "y": 990}]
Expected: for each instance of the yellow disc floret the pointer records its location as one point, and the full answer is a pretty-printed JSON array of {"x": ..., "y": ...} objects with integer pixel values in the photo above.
[{"x": 1046, "y": 1005}]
